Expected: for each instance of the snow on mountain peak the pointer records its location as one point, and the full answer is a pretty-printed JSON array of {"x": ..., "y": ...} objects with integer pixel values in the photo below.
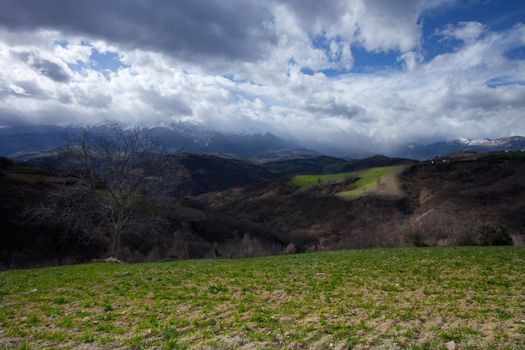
[{"x": 482, "y": 142}]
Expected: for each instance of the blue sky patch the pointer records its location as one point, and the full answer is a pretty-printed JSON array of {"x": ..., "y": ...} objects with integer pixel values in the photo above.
[
  {"x": 496, "y": 15},
  {"x": 103, "y": 62},
  {"x": 503, "y": 81},
  {"x": 365, "y": 61},
  {"x": 517, "y": 53},
  {"x": 307, "y": 71}
]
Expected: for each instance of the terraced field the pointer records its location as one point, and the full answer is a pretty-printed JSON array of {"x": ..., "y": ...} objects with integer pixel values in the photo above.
[{"x": 418, "y": 298}]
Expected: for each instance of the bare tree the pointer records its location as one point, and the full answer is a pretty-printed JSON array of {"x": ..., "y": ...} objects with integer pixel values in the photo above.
[{"x": 111, "y": 191}]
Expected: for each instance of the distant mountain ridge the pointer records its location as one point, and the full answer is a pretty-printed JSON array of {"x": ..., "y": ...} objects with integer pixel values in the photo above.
[
  {"x": 438, "y": 149},
  {"x": 22, "y": 140},
  {"x": 188, "y": 138}
]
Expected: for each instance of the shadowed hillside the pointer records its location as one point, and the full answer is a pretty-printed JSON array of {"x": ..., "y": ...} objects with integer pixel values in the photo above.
[
  {"x": 190, "y": 230},
  {"x": 197, "y": 174},
  {"x": 448, "y": 201},
  {"x": 189, "y": 174},
  {"x": 328, "y": 165},
  {"x": 244, "y": 210}
]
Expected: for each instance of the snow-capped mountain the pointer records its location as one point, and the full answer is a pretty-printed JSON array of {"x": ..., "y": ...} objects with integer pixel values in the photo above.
[
  {"x": 437, "y": 149},
  {"x": 484, "y": 142}
]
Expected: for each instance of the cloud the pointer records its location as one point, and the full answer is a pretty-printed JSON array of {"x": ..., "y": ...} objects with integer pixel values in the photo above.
[
  {"x": 464, "y": 31},
  {"x": 45, "y": 67},
  {"x": 169, "y": 105},
  {"x": 240, "y": 66},
  {"x": 234, "y": 29},
  {"x": 377, "y": 25}
]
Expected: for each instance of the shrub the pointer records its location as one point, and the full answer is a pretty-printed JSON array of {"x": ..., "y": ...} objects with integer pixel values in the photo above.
[
  {"x": 494, "y": 235},
  {"x": 467, "y": 238},
  {"x": 417, "y": 239},
  {"x": 486, "y": 235}
]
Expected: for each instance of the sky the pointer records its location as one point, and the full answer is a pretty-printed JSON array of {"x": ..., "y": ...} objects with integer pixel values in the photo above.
[{"x": 356, "y": 73}]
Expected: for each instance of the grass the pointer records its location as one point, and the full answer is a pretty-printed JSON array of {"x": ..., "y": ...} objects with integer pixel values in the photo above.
[
  {"x": 368, "y": 179},
  {"x": 417, "y": 298},
  {"x": 305, "y": 182},
  {"x": 367, "y": 182}
]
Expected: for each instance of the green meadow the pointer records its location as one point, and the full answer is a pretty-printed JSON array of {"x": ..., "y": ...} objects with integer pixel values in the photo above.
[
  {"x": 415, "y": 298},
  {"x": 366, "y": 183},
  {"x": 305, "y": 182}
]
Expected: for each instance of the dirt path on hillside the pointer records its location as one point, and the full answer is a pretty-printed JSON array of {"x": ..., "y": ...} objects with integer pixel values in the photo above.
[{"x": 389, "y": 184}]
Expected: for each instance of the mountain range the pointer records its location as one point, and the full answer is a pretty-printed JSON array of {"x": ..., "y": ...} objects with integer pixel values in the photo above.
[
  {"x": 19, "y": 141},
  {"x": 425, "y": 151}
]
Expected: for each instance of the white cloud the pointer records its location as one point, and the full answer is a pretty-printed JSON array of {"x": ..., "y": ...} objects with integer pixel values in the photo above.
[
  {"x": 447, "y": 96},
  {"x": 464, "y": 31}
]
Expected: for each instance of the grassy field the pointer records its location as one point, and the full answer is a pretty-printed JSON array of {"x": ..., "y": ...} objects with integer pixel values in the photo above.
[
  {"x": 418, "y": 298},
  {"x": 368, "y": 181},
  {"x": 305, "y": 182}
]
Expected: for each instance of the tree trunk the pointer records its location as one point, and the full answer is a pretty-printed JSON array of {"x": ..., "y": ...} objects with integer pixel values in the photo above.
[
  {"x": 117, "y": 254},
  {"x": 115, "y": 244}
]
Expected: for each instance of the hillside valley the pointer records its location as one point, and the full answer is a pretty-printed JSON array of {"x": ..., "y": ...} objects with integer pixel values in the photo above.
[
  {"x": 262, "y": 175},
  {"x": 442, "y": 203},
  {"x": 229, "y": 208}
]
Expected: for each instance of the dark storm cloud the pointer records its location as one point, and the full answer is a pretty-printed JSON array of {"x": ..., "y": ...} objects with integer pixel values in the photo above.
[
  {"x": 45, "y": 67},
  {"x": 231, "y": 29},
  {"x": 50, "y": 69},
  {"x": 309, "y": 11}
]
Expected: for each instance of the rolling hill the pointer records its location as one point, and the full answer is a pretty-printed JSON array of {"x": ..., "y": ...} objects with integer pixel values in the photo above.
[
  {"x": 191, "y": 230},
  {"x": 243, "y": 210},
  {"x": 443, "y": 203},
  {"x": 196, "y": 174},
  {"x": 327, "y": 165}
]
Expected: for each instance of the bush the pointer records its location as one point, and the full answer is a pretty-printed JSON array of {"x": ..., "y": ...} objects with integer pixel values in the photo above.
[
  {"x": 486, "y": 235},
  {"x": 417, "y": 239},
  {"x": 494, "y": 235},
  {"x": 467, "y": 238}
]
